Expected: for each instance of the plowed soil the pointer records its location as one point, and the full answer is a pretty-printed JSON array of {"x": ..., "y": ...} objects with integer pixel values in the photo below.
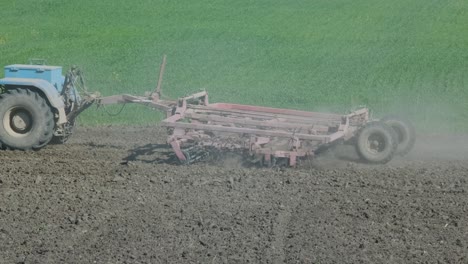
[{"x": 114, "y": 195}]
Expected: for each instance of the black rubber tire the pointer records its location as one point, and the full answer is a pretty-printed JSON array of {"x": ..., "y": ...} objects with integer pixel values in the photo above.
[
  {"x": 405, "y": 132},
  {"x": 376, "y": 135},
  {"x": 26, "y": 120}
]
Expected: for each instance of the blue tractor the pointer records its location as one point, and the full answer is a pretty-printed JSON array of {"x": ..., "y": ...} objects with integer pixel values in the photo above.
[{"x": 38, "y": 105}]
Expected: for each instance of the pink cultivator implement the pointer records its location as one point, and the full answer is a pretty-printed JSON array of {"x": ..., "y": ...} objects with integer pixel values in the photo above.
[
  {"x": 269, "y": 135},
  {"x": 265, "y": 133}
]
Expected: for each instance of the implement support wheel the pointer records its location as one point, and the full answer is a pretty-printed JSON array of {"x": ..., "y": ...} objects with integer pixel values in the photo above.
[
  {"x": 405, "y": 133},
  {"x": 376, "y": 143},
  {"x": 27, "y": 121}
]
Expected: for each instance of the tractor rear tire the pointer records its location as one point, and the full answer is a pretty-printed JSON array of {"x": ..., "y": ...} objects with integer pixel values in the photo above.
[
  {"x": 376, "y": 143},
  {"x": 27, "y": 121},
  {"x": 406, "y": 135}
]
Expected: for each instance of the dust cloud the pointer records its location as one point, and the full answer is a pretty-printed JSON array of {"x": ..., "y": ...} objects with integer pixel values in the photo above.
[{"x": 428, "y": 147}]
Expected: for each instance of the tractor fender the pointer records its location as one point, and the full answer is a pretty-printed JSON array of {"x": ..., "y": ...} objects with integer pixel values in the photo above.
[{"x": 46, "y": 88}]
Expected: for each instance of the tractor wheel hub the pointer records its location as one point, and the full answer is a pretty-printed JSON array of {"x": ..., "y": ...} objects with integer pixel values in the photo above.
[{"x": 20, "y": 121}]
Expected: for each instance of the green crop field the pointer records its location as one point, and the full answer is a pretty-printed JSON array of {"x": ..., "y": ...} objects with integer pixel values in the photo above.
[{"x": 402, "y": 56}]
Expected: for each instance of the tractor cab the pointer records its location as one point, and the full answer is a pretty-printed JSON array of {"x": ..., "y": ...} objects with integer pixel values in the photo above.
[{"x": 50, "y": 74}]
